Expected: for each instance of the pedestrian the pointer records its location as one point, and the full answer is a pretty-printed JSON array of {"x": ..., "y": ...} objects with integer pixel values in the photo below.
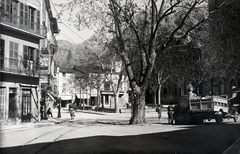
[
  {"x": 42, "y": 112},
  {"x": 59, "y": 107},
  {"x": 49, "y": 112},
  {"x": 170, "y": 114},
  {"x": 159, "y": 111},
  {"x": 71, "y": 111}
]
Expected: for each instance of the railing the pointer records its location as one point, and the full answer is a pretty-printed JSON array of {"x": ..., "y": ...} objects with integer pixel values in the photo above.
[
  {"x": 22, "y": 23},
  {"x": 18, "y": 66}
]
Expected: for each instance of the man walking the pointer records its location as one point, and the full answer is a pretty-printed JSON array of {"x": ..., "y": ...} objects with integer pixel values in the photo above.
[
  {"x": 159, "y": 111},
  {"x": 170, "y": 114}
]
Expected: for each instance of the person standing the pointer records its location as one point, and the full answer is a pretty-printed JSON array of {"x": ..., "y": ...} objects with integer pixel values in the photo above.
[
  {"x": 71, "y": 111},
  {"x": 42, "y": 112},
  {"x": 170, "y": 114},
  {"x": 59, "y": 107},
  {"x": 159, "y": 111}
]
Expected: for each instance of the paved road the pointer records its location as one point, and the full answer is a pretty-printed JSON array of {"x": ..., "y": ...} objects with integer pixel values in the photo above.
[{"x": 111, "y": 134}]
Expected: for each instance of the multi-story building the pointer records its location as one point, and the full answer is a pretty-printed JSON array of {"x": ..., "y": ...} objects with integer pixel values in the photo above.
[
  {"x": 48, "y": 47},
  {"x": 22, "y": 30},
  {"x": 65, "y": 87}
]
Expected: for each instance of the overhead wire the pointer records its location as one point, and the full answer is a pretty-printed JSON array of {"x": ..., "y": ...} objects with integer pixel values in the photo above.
[
  {"x": 85, "y": 41},
  {"x": 69, "y": 27}
]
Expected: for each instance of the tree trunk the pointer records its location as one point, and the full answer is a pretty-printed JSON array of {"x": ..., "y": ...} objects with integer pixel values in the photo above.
[
  {"x": 154, "y": 97},
  {"x": 138, "y": 111},
  {"x": 98, "y": 98},
  {"x": 116, "y": 101},
  {"x": 159, "y": 94}
]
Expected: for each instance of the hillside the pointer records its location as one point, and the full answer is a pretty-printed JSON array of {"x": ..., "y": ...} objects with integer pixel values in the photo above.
[{"x": 71, "y": 54}]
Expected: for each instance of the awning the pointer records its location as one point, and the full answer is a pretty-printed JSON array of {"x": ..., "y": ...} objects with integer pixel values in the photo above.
[
  {"x": 66, "y": 97},
  {"x": 110, "y": 93},
  {"x": 83, "y": 96}
]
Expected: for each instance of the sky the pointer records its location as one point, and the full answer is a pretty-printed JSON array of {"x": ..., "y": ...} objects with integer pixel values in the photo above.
[{"x": 68, "y": 32}]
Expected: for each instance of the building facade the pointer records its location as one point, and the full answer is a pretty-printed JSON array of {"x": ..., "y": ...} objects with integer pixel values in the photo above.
[
  {"x": 97, "y": 92},
  {"x": 22, "y": 30}
]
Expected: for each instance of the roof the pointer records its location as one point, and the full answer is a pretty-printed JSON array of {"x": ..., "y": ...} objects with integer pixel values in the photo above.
[{"x": 89, "y": 69}]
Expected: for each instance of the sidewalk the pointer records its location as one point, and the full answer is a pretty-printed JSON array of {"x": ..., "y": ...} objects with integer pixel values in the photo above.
[{"x": 65, "y": 116}]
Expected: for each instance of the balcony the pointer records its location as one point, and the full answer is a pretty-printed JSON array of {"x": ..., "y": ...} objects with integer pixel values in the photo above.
[
  {"x": 21, "y": 67},
  {"x": 22, "y": 24}
]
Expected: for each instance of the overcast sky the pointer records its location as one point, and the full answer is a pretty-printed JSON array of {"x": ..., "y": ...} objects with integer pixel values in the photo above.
[{"x": 68, "y": 32}]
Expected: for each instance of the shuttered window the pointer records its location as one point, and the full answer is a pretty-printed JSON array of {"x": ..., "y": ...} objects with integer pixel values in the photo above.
[
  {"x": 2, "y": 101},
  {"x": 13, "y": 55}
]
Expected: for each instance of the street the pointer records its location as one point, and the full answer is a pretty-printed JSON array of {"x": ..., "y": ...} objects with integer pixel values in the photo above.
[{"x": 110, "y": 133}]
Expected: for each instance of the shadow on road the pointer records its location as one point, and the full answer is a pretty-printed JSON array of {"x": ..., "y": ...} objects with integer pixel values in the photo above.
[{"x": 203, "y": 139}]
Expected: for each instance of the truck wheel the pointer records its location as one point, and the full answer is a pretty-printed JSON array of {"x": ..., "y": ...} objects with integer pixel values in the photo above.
[
  {"x": 236, "y": 116},
  {"x": 219, "y": 117}
]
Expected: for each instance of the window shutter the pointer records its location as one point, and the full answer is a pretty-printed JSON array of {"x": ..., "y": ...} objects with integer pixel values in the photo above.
[{"x": 25, "y": 56}]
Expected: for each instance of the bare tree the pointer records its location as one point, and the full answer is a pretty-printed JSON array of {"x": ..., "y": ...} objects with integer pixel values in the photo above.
[
  {"x": 224, "y": 29},
  {"x": 121, "y": 19}
]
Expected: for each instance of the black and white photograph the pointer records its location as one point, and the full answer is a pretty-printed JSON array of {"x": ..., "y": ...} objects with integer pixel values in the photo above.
[{"x": 120, "y": 77}]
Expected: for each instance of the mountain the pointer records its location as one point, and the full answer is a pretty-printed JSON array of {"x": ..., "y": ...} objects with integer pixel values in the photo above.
[{"x": 71, "y": 54}]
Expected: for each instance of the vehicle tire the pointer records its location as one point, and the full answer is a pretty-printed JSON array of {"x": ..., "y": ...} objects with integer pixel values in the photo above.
[
  {"x": 219, "y": 117},
  {"x": 236, "y": 116}
]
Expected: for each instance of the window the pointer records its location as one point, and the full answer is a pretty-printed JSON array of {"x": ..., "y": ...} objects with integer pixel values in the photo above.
[
  {"x": 29, "y": 54},
  {"x": 37, "y": 62},
  {"x": 107, "y": 86},
  {"x": 14, "y": 12},
  {"x": 6, "y": 5},
  {"x": 34, "y": 18},
  {"x": 13, "y": 55},
  {"x": 2, "y": 44},
  {"x": 6, "y": 8},
  {"x": 2, "y": 102},
  {"x": 31, "y": 12},
  {"x": 24, "y": 14},
  {"x": 38, "y": 20}
]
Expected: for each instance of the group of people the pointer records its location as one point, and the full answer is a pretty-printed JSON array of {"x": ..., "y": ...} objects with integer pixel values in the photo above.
[{"x": 170, "y": 111}]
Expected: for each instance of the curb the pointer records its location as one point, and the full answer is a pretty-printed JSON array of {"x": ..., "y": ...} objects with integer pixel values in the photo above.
[{"x": 234, "y": 148}]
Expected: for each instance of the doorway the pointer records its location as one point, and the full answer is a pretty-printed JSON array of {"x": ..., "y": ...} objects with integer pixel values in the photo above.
[
  {"x": 26, "y": 105},
  {"x": 12, "y": 112}
]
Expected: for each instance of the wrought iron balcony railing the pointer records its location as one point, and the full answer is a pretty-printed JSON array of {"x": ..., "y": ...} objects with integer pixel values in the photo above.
[
  {"x": 22, "y": 23},
  {"x": 18, "y": 66}
]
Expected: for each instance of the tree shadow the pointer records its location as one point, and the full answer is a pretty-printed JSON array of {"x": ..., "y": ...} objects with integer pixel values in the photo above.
[{"x": 203, "y": 139}]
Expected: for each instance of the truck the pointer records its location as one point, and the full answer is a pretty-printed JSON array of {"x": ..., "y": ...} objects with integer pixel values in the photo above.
[{"x": 198, "y": 110}]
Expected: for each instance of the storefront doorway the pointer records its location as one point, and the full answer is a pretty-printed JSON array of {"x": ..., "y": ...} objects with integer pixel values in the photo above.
[
  {"x": 12, "y": 112},
  {"x": 26, "y": 105}
]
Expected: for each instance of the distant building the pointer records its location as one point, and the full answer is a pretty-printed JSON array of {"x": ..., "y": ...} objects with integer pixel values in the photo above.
[
  {"x": 88, "y": 93},
  {"x": 22, "y": 30},
  {"x": 65, "y": 85}
]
